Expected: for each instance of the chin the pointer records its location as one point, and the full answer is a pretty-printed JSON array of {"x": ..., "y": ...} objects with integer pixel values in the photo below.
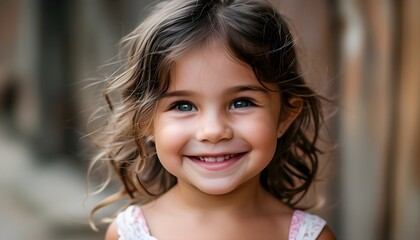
[
  {"x": 216, "y": 192},
  {"x": 217, "y": 189}
]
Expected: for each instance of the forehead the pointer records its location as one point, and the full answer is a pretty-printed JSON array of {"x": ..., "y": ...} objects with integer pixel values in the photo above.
[
  {"x": 212, "y": 58},
  {"x": 212, "y": 64}
]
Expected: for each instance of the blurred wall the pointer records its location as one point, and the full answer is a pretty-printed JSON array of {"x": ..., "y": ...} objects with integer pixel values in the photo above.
[{"x": 363, "y": 55}]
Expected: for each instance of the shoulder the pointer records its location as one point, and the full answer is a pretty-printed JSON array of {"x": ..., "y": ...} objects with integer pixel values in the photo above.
[
  {"x": 326, "y": 234},
  {"x": 121, "y": 222},
  {"x": 128, "y": 225},
  {"x": 308, "y": 226},
  {"x": 112, "y": 231}
]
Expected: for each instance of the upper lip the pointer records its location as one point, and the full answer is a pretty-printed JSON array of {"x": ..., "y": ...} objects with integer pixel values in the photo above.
[
  {"x": 213, "y": 154},
  {"x": 196, "y": 149},
  {"x": 215, "y": 157}
]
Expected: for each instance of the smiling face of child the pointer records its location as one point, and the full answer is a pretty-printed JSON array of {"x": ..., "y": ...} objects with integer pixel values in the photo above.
[{"x": 216, "y": 127}]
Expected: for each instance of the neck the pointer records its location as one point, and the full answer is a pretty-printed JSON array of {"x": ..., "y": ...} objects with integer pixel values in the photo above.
[{"x": 248, "y": 197}]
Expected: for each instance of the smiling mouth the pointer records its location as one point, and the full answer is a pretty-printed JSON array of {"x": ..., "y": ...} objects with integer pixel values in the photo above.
[{"x": 216, "y": 158}]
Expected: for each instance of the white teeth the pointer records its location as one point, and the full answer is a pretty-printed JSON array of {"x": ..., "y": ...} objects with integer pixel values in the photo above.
[{"x": 216, "y": 159}]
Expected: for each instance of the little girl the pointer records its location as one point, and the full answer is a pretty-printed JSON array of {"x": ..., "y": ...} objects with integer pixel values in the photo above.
[{"x": 214, "y": 132}]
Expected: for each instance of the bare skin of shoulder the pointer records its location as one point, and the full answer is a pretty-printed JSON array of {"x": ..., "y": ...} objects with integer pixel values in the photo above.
[{"x": 112, "y": 231}]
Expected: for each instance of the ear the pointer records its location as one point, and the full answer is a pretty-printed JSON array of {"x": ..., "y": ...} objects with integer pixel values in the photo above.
[{"x": 289, "y": 114}]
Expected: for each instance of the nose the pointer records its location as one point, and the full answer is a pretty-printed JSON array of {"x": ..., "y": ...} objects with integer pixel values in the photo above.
[{"x": 214, "y": 127}]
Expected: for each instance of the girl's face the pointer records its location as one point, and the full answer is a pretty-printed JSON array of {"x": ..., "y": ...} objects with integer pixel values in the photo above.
[{"x": 216, "y": 128}]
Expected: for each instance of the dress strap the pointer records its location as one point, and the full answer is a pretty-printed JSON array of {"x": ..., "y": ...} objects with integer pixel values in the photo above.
[
  {"x": 132, "y": 225},
  {"x": 305, "y": 226}
]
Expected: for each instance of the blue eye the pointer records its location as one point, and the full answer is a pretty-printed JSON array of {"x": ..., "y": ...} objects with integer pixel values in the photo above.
[
  {"x": 184, "y": 107},
  {"x": 242, "y": 103}
]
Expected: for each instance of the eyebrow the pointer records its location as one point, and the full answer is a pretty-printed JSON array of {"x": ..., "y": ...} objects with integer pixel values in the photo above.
[
  {"x": 244, "y": 88},
  {"x": 181, "y": 93},
  {"x": 237, "y": 89}
]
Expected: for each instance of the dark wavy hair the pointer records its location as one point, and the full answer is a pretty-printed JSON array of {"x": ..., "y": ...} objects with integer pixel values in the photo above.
[{"x": 252, "y": 32}]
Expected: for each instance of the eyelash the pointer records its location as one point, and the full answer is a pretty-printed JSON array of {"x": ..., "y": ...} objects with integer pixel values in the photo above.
[
  {"x": 249, "y": 101},
  {"x": 176, "y": 105}
]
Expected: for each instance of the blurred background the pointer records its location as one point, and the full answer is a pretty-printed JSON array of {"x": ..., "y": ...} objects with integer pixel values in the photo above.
[{"x": 364, "y": 55}]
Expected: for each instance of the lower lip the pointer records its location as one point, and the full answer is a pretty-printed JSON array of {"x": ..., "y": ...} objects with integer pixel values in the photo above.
[{"x": 217, "y": 166}]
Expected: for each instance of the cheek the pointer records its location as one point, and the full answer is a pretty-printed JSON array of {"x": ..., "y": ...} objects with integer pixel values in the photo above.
[
  {"x": 169, "y": 140},
  {"x": 265, "y": 139},
  {"x": 261, "y": 132}
]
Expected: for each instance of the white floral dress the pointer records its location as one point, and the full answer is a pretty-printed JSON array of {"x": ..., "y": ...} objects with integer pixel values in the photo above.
[{"x": 132, "y": 225}]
